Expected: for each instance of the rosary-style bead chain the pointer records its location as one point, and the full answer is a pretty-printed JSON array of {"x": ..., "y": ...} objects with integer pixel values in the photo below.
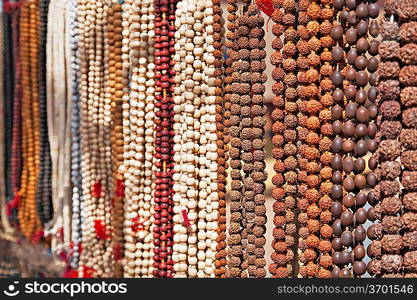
[
  {"x": 234, "y": 240},
  {"x": 28, "y": 218},
  {"x": 222, "y": 139},
  {"x": 76, "y": 177}
]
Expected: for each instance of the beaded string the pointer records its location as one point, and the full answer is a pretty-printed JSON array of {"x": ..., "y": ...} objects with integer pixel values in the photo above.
[
  {"x": 351, "y": 79},
  {"x": 3, "y": 216},
  {"x": 222, "y": 139},
  {"x": 57, "y": 118},
  {"x": 163, "y": 216},
  {"x": 128, "y": 266},
  {"x": 76, "y": 178},
  {"x": 384, "y": 264},
  {"x": 196, "y": 198},
  {"x": 408, "y": 40},
  {"x": 16, "y": 129},
  {"x": 28, "y": 218},
  {"x": 326, "y": 133},
  {"x": 115, "y": 90},
  {"x": 393, "y": 246},
  {"x": 235, "y": 247},
  {"x": 8, "y": 40},
  {"x": 309, "y": 124},
  {"x": 186, "y": 127},
  {"x": 284, "y": 118},
  {"x": 96, "y": 256},
  {"x": 43, "y": 196}
]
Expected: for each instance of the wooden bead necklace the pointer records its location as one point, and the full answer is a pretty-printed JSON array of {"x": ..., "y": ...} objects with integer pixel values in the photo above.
[
  {"x": 16, "y": 126},
  {"x": 196, "y": 198},
  {"x": 10, "y": 50},
  {"x": 408, "y": 85},
  {"x": 222, "y": 140},
  {"x": 115, "y": 92},
  {"x": 308, "y": 133},
  {"x": 187, "y": 131},
  {"x": 96, "y": 256},
  {"x": 44, "y": 189},
  {"x": 285, "y": 121},
  {"x": 28, "y": 217},
  {"x": 232, "y": 97},
  {"x": 357, "y": 125},
  {"x": 3, "y": 216},
  {"x": 128, "y": 262},
  {"x": 385, "y": 262},
  {"x": 164, "y": 87}
]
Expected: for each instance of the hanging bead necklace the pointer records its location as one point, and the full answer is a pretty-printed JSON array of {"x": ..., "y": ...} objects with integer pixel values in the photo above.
[
  {"x": 222, "y": 140},
  {"x": 350, "y": 83},
  {"x": 96, "y": 256},
  {"x": 196, "y": 198},
  {"x": 28, "y": 218},
  {"x": 76, "y": 177},
  {"x": 285, "y": 121},
  {"x": 254, "y": 165},
  {"x": 164, "y": 49},
  {"x": 326, "y": 133},
  {"x": 16, "y": 106},
  {"x": 10, "y": 71},
  {"x": 43, "y": 196},
  {"x": 406, "y": 13},
  {"x": 128, "y": 263},
  {"x": 115, "y": 90}
]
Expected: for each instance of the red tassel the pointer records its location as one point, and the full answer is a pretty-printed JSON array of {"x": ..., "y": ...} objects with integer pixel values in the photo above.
[
  {"x": 100, "y": 230},
  {"x": 266, "y": 6},
  {"x": 96, "y": 192},
  {"x": 60, "y": 233},
  {"x": 88, "y": 272},
  {"x": 36, "y": 237},
  {"x": 185, "y": 218},
  {"x": 120, "y": 188},
  {"x": 117, "y": 252},
  {"x": 80, "y": 248},
  {"x": 9, "y": 7},
  {"x": 136, "y": 225},
  {"x": 63, "y": 256},
  {"x": 70, "y": 273},
  {"x": 14, "y": 204}
]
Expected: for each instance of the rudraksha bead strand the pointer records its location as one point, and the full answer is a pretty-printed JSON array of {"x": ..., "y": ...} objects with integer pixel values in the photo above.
[
  {"x": 326, "y": 135},
  {"x": 310, "y": 125},
  {"x": 222, "y": 139},
  {"x": 232, "y": 96},
  {"x": 406, "y": 242},
  {"x": 255, "y": 165},
  {"x": 285, "y": 121}
]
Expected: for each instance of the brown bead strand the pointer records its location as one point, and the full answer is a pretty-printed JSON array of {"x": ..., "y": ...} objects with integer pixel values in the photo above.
[
  {"x": 408, "y": 83},
  {"x": 222, "y": 140},
  {"x": 28, "y": 217},
  {"x": 326, "y": 133},
  {"x": 358, "y": 131},
  {"x": 310, "y": 124},
  {"x": 255, "y": 165},
  {"x": 285, "y": 122},
  {"x": 232, "y": 98},
  {"x": 115, "y": 89},
  {"x": 395, "y": 234}
]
